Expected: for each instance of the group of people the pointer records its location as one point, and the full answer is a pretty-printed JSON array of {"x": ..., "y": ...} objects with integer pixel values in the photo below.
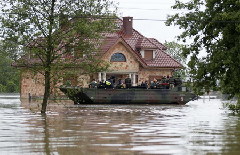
[
  {"x": 164, "y": 83},
  {"x": 110, "y": 83}
]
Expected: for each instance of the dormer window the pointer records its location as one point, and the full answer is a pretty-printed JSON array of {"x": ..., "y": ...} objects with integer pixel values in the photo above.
[
  {"x": 118, "y": 57},
  {"x": 148, "y": 54}
]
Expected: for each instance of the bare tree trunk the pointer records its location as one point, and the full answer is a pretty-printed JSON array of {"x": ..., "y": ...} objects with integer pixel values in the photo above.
[
  {"x": 49, "y": 52},
  {"x": 46, "y": 92}
]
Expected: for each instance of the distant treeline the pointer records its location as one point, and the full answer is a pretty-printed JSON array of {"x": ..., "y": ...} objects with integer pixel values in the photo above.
[{"x": 9, "y": 76}]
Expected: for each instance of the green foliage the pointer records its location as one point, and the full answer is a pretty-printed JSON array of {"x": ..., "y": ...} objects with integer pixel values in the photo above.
[
  {"x": 53, "y": 36},
  {"x": 11, "y": 87},
  {"x": 2, "y": 88},
  {"x": 234, "y": 108},
  {"x": 176, "y": 50},
  {"x": 9, "y": 76},
  {"x": 213, "y": 27}
]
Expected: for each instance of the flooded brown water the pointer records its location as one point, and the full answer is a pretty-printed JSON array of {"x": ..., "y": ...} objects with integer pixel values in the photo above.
[{"x": 200, "y": 127}]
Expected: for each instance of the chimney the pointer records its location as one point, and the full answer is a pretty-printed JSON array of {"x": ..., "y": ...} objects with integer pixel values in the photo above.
[{"x": 128, "y": 25}]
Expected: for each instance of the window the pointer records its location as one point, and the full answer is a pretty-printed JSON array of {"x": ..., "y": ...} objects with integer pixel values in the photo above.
[
  {"x": 148, "y": 55},
  {"x": 118, "y": 57}
]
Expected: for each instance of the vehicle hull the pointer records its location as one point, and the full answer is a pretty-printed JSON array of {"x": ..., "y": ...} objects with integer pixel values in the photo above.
[{"x": 128, "y": 96}]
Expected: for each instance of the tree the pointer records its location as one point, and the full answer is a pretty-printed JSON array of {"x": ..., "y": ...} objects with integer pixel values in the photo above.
[
  {"x": 9, "y": 76},
  {"x": 175, "y": 50},
  {"x": 56, "y": 35},
  {"x": 214, "y": 27}
]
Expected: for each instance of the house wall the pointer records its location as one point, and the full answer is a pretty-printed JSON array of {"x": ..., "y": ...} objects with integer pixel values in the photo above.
[
  {"x": 31, "y": 84},
  {"x": 145, "y": 74},
  {"x": 131, "y": 64}
]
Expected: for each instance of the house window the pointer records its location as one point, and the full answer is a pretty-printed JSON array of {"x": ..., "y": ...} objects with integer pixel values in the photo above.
[
  {"x": 148, "y": 54},
  {"x": 118, "y": 57}
]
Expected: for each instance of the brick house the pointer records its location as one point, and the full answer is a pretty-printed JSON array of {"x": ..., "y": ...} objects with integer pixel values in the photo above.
[{"x": 129, "y": 54}]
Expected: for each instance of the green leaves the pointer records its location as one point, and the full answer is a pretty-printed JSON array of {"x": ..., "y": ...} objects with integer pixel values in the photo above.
[
  {"x": 36, "y": 30},
  {"x": 36, "y": 25},
  {"x": 9, "y": 76},
  {"x": 213, "y": 26},
  {"x": 176, "y": 51}
]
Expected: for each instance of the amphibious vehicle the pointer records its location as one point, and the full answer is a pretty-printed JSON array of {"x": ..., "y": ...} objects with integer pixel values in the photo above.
[{"x": 176, "y": 95}]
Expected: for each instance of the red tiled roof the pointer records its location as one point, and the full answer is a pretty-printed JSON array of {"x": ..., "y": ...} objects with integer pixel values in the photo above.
[
  {"x": 144, "y": 43},
  {"x": 108, "y": 43},
  {"x": 137, "y": 41},
  {"x": 157, "y": 43},
  {"x": 163, "y": 60}
]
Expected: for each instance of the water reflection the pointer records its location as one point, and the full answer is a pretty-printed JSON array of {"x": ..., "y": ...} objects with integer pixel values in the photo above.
[
  {"x": 231, "y": 135},
  {"x": 46, "y": 134},
  {"x": 196, "y": 128}
]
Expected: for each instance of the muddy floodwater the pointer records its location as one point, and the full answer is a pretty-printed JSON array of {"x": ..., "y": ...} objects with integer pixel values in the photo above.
[{"x": 199, "y": 127}]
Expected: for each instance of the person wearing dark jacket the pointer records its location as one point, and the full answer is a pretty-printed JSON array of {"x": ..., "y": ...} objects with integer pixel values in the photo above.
[
  {"x": 120, "y": 84},
  {"x": 128, "y": 82},
  {"x": 178, "y": 81}
]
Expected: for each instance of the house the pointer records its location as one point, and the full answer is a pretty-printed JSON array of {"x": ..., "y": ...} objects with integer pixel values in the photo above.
[{"x": 129, "y": 54}]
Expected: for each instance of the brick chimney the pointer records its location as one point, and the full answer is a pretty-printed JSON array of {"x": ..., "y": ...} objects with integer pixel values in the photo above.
[{"x": 128, "y": 25}]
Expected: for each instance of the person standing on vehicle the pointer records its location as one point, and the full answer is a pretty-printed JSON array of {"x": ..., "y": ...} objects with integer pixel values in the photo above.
[{"x": 128, "y": 82}]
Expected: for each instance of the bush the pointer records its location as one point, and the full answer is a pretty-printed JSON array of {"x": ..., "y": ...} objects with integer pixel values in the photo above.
[
  {"x": 234, "y": 107},
  {"x": 2, "y": 88},
  {"x": 11, "y": 87}
]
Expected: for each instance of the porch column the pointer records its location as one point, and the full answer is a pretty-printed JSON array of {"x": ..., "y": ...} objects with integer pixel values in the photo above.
[
  {"x": 134, "y": 79},
  {"x": 130, "y": 76},
  {"x": 105, "y": 76},
  {"x": 99, "y": 76}
]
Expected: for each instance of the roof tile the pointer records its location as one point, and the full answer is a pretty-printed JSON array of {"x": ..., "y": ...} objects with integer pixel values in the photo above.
[{"x": 136, "y": 41}]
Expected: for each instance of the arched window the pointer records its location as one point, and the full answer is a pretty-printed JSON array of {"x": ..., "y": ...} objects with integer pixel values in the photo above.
[{"x": 118, "y": 57}]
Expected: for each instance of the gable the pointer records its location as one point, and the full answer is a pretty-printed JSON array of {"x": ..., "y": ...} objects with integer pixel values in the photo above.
[
  {"x": 137, "y": 44},
  {"x": 130, "y": 64}
]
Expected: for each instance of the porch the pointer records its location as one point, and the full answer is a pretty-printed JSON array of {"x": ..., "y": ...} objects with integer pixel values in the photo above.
[{"x": 116, "y": 76}]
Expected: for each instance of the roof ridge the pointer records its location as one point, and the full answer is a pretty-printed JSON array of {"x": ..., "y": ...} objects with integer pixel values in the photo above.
[
  {"x": 157, "y": 42},
  {"x": 144, "y": 37}
]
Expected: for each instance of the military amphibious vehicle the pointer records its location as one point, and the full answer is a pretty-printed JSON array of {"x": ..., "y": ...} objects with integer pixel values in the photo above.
[{"x": 176, "y": 95}]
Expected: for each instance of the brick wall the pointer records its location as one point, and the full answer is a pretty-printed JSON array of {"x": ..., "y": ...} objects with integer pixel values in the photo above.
[
  {"x": 130, "y": 65},
  {"x": 33, "y": 84},
  {"x": 144, "y": 74}
]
